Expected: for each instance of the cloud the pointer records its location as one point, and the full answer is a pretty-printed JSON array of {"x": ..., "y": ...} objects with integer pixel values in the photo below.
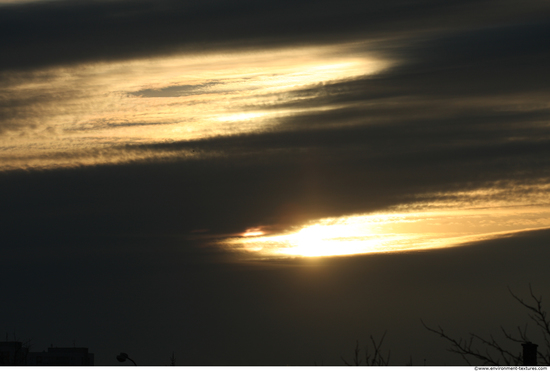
[
  {"x": 64, "y": 32},
  {"x": 178, "y": 90},
  {"x": 86, "y": 109},
  {"x": 272, "y": 137},
  {"x": 448, "y": 116}
]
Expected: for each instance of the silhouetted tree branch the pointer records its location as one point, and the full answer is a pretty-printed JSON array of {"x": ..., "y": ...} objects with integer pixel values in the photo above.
[
  {"x": 539, "y": 316},
  {"x": 493, "y": 352},
  {"x": 374, "y": 359}
]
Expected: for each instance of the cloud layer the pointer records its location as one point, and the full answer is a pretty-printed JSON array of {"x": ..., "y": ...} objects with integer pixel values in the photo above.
[
  {"x": 275, "y": 136},
  {"x": 137, "y": 135}
]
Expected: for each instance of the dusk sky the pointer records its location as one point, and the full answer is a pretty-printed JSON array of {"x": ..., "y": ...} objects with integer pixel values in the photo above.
[{"x": 266, "y": 182}]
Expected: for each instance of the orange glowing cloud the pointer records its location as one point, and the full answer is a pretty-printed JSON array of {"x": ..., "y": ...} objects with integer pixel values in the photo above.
[{"x": 254, "y": 231}]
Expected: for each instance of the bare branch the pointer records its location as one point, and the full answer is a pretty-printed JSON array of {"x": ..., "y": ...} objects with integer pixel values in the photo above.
[
  {"x": 465, "y": 348},
  {"x": 377, "y": 359}
]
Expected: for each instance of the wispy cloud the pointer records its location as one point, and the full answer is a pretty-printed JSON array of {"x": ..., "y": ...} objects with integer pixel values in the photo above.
[{"x": 95, "y": 107}]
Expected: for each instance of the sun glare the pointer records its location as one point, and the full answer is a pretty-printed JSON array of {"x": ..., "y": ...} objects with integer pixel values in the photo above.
[
  {"x": 256, "y": 231},
  {"x": 408, "y": 227}
]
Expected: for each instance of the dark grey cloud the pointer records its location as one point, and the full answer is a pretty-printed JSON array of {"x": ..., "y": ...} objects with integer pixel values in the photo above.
[
  {"x": 65, "y": 32},
  {"x": 443, "y": 125}
]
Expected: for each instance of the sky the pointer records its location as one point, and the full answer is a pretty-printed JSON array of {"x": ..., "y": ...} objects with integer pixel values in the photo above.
[{"x": 266, "y": 183}]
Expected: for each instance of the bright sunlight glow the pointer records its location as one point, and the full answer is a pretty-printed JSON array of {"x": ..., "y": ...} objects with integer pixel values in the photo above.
[{"x": 408, "y": 227}]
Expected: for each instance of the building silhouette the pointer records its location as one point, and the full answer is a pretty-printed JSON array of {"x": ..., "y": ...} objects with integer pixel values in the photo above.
[{"x": 14, "y": 353}]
